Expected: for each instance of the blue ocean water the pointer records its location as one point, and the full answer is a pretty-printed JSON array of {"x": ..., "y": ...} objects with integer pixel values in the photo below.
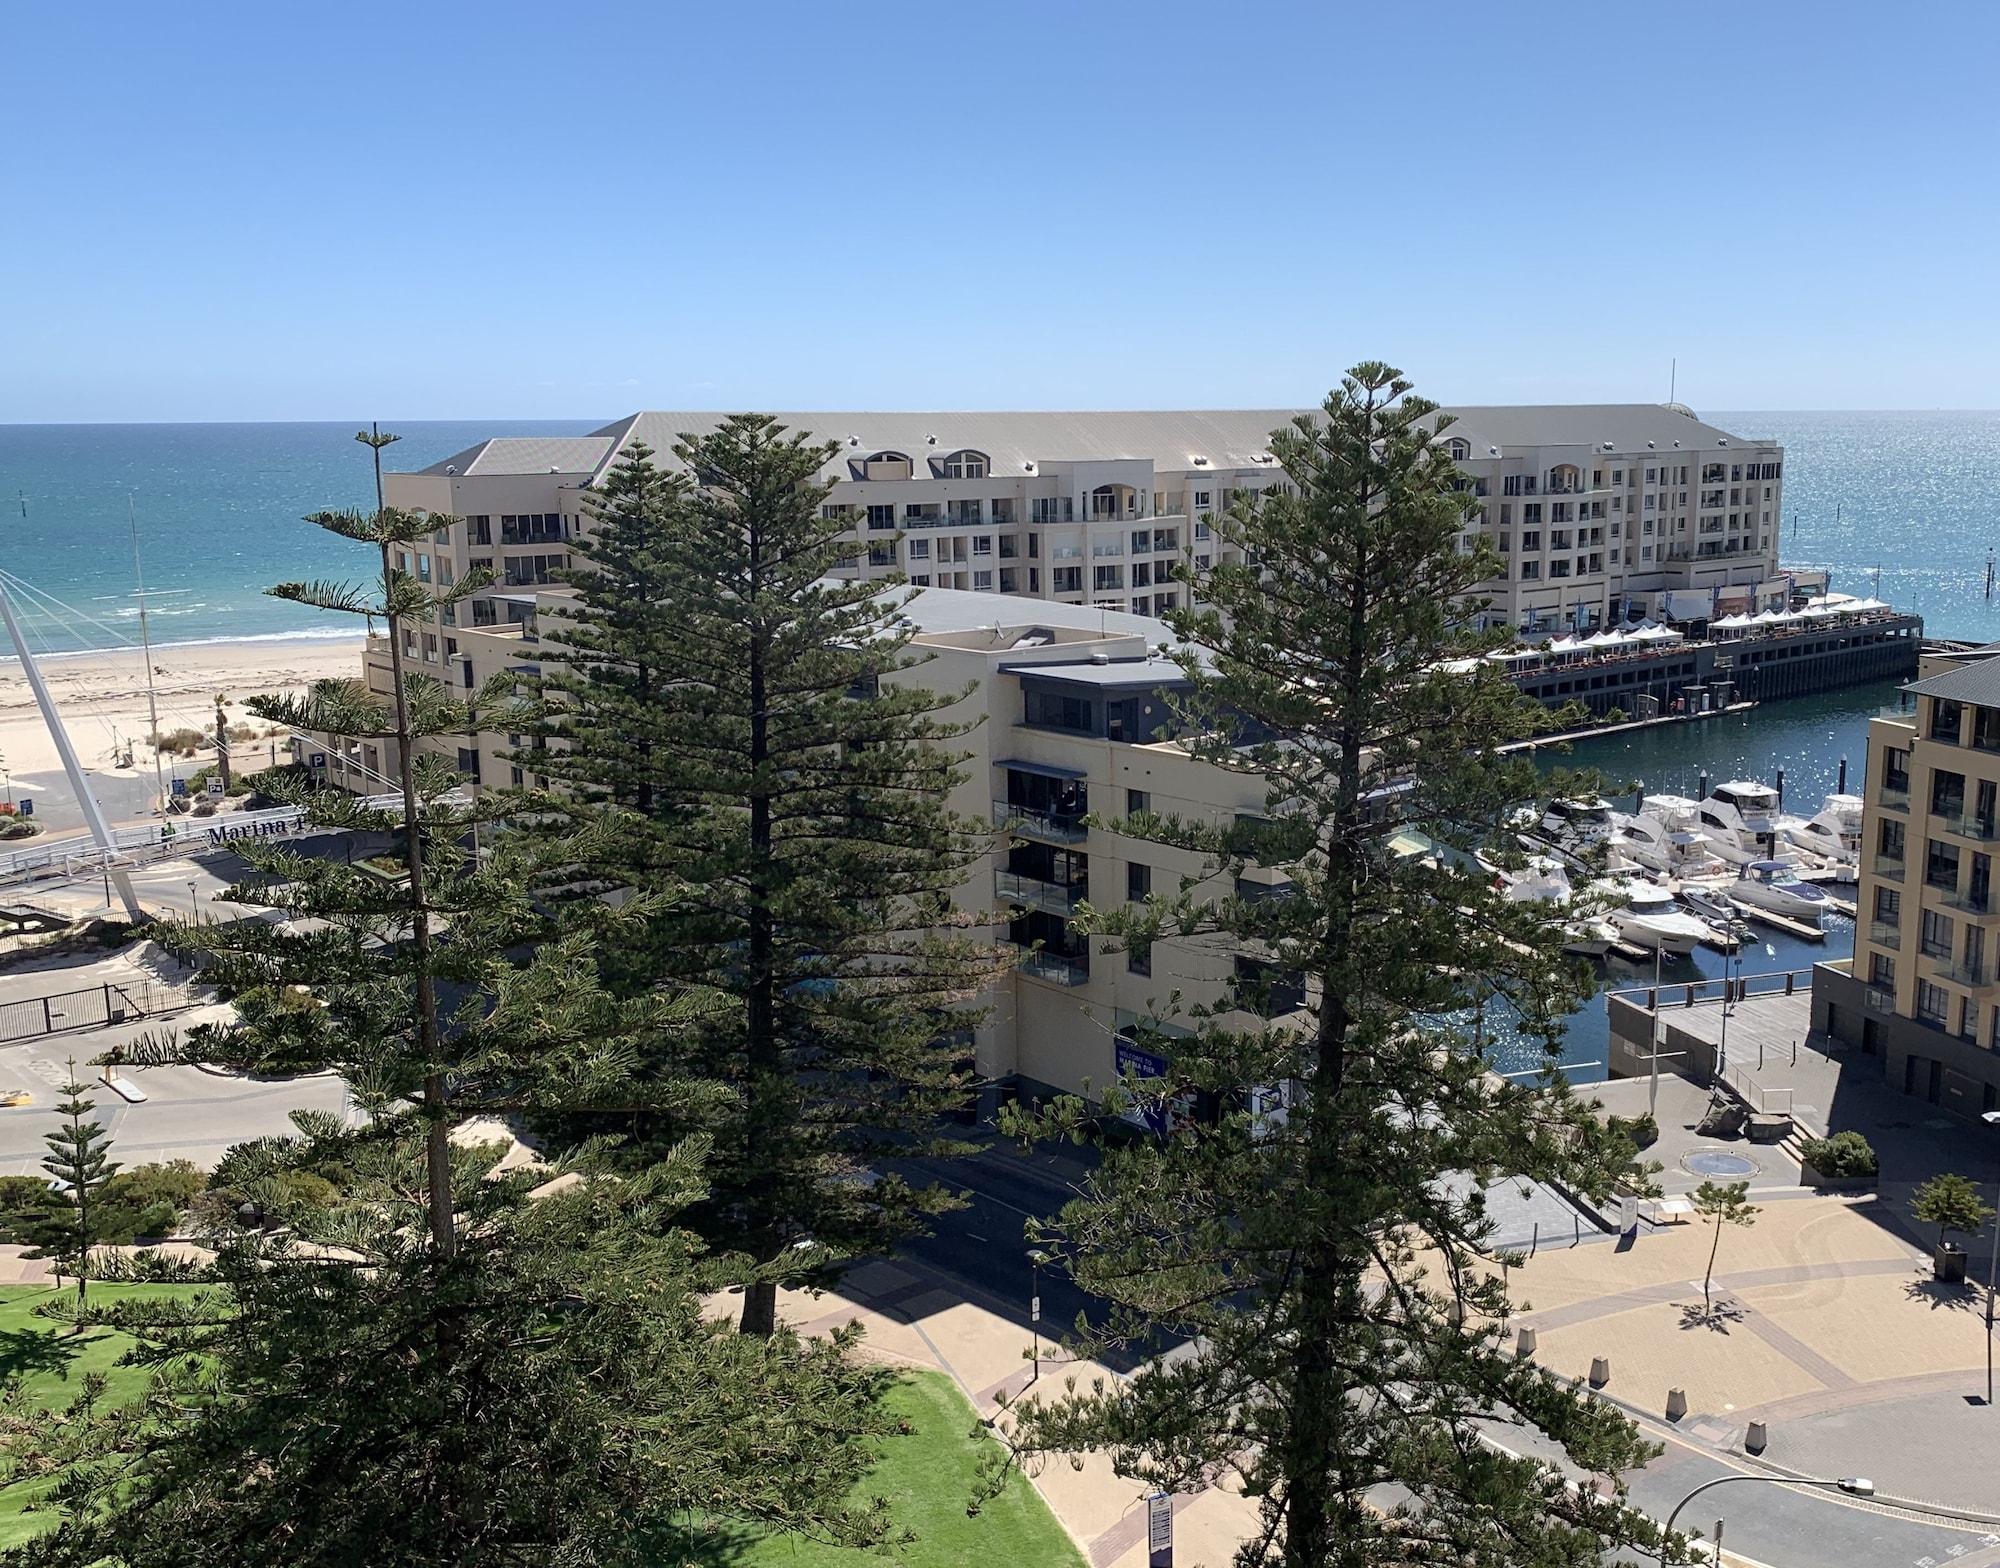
[
  {"x": 1915, "y": 495},
  {"x": 219, "y": 510}
]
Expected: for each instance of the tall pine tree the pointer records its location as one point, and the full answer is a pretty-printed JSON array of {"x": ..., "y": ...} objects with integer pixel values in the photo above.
[
  {"x": 452, "y": 1359},
  {"x": 751, "y": 740},
  {"x": 1327, "y": 1266}
]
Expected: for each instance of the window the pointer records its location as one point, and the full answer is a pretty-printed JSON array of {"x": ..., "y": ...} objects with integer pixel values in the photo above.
[
  {"x": 881, "y": 517},
  {"x": 1937, "y": 935},
  {"x": 1933, "y": 1001},
  {"x": 983, "y": 581},
  {"x": 1944, "y": 720},
  {"x": 1891, "y": 843},
  {"x": 1201, "y": 499},
  {"x": 1138, "y": 881},
  {"x": 1888, "y": 905},
  {"x": 982, "y": 544},
  {"x": 1941, "y": 865},
  {"x": 1136, "y": 801},
  {"x": 1458, "y": 450},
  {"x": 886, "y": 465},
  {"x": 920, "y": 549},
  {"x": 966, "y": 465},
  {"x": 1882, "y": 971}
]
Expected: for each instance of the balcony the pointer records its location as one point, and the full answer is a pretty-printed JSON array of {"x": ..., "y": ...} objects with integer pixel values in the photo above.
[
  {"x": 1879, "y": 999},
  {"x": 1959, "y": 972},
  {"x": 1056, "y": 968},
  {"x": 1893, "y": 798},
  {"x": 1051, "y": 827},
  {"x": 1969, "y": 903},
  {"x": 1889, "y": 867},
  {"x": 1885, "y": 933},
  {"x": 1025, "y": 892},
  {"x": 1983, "y": 829}
]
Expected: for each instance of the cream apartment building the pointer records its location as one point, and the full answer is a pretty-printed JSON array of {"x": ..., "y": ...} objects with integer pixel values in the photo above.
[
  {"x": 1601, "y": 513},
  {"x": 1922, "y": 992},
  {"x": 1067, "y": 703}
]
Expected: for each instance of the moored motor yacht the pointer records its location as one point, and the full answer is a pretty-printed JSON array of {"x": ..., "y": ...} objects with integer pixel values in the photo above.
[
  {"x": 1647, "y": 916},
  {"x": 1740, "y": 821},
  {"x": 1834, "y": 834},
  {"x": 1664, "y": 837},
  {"x": 1577, "y": 825},
  {"x": 1543, "y": 877},
  {"x": 1773, "y": 885}
]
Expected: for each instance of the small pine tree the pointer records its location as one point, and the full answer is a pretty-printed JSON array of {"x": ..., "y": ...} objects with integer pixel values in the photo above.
[
  {"x": 1721, "y": 1203},
  {"x": 1952, "y": 1203},
  {"x": 80, "y": 1166}
]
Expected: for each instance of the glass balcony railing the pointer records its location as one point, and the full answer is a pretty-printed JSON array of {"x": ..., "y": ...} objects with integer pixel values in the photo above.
[
  {"x": 1970, "y": 826},
  {"x": 1026, "y": 892},
  {"x": 1892, "y": 797},
  {"x": 1889, "y": 866},
  {"x": 1880, "y": 999},
  {"x": 1057, "y": 827},
  {"x": 1884, "y": 933},
  {"x": 1057, "y": 968},
  {"x": 1961, "y": 972}
]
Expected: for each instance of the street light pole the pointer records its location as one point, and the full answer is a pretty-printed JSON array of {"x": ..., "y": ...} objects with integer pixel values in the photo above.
[
  {"x": 1036, "y": 1258},
  {"x": 1854, "y": 1485},
  {"x": 1992, "y": 1119}
]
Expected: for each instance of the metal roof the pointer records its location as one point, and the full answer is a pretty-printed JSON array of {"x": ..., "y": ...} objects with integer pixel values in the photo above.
[
  {"x": 527, "y": 455},
  {"x": 1976, "y": 681},
  {"x": 1115, "y": 674}
]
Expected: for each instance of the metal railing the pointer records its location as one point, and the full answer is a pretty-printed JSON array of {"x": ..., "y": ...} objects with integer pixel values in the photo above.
[
  {"x": 1056, "y": 968},
  {"x": 1051, "y": 898},
  {"x": 1062, "y": 827},
  {"x": 91, "y": 1008},
  {"x": 1765, "y": 1102}
]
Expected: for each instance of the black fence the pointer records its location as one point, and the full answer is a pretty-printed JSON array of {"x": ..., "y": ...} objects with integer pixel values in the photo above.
[{"x": 91, "y": 1008}]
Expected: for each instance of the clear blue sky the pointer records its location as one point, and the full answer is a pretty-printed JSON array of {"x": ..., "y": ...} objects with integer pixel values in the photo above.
[{"x": 275, "y": 211}]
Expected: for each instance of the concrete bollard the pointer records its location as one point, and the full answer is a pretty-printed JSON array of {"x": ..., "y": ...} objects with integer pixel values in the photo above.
[
  {"x": 1600, "y": 1371},
  {"x": 1524, "y": 1341},
  {"x": 1677, "y": 1403},
  {"x": 1755, "y": 1438}
]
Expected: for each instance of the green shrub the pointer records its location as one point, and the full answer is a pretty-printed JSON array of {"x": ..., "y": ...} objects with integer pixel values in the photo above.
[
  {"x": 1641, "y": 1130},
  {"x": 1844, "y": 1154},
  {"x": 149, "y": 1200}
]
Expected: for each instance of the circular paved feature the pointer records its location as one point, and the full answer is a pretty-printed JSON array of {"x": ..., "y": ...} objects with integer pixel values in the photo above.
[{"x": 1718, "y": 1162}]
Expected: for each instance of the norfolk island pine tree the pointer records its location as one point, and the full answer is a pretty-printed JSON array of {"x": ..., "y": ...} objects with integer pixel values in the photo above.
[
  {"x": 752, "y": 739},
  {"x": 80, "y": 1167},
  {"x": 1318, "y": 1265}
]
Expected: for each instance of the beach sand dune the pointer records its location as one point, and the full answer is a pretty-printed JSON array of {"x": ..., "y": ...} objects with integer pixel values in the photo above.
[{"x": 102, "y": 696}]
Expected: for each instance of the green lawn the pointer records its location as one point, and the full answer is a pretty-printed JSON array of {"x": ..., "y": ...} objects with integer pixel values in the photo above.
[
  {"x": 53, "y": 1363},
  {"x": 928, "y": 1477}
]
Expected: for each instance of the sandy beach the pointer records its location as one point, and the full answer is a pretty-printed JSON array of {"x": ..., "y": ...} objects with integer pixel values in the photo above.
[{"x": 102, "y": 697}]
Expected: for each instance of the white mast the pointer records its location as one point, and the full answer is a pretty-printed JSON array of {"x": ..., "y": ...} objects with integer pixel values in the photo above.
[
  {"x": 92, "y": 814},
  {"x": 146, "y": 642}
]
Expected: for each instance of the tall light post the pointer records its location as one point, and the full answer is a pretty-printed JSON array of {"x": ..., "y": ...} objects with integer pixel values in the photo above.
[
  {"x": 1036, "y": 1258},
  {"x": 1992, "y": 1119},
  {"x": 1853, "y": 1485}
]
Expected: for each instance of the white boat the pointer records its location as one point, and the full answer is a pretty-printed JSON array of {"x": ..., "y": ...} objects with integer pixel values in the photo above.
[
  {"x": 1740, "y": 821},
  {"x": 1665, "y": 837},
  {"x": 1577, "y": 825},
  {"x": 1711, "y": 904},
  {"x": 1544, "y": 878},
  {"x": 1834, "y": 834},
  {"x": 1647, "y": 916},
  {"x": 1774, "y": 885}
]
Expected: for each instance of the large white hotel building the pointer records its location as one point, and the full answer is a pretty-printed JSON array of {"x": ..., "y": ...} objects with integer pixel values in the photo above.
[{"x": 1047, "y": 542}]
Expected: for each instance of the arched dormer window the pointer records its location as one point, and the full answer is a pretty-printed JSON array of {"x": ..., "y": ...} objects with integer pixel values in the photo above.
[
  {"x": 886, "y": 465},
  {"x": 1457, "y": 450},
  {"x": 966, "y": 464}
]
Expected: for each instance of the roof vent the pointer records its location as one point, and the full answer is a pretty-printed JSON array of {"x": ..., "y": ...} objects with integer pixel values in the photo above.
[
  {"x": 1100, "y": 658},
  {"x": 451, "y": 468},
  {"x": 553, "y": 469},
  {"x": 1493, "y": 451},
  {"x": 1604, "y": 446},
  {"x": 930, "y": 440},
  {"x": 1722, "y": 440},
  {"x": 854, "y": 440},
  {"x": 1027, "y": 468},
  {"x": 1200, "y": 462},
  {"x": 1677, "y": 443},
  {"x": 1650, "y": 445}
]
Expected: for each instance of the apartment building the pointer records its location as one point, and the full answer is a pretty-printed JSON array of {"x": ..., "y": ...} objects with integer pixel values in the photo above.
[
  {"x": 1922, "y": 992},
  {"x": 1601, "y": 513},
  {"x": 1068, "y": 709}
]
